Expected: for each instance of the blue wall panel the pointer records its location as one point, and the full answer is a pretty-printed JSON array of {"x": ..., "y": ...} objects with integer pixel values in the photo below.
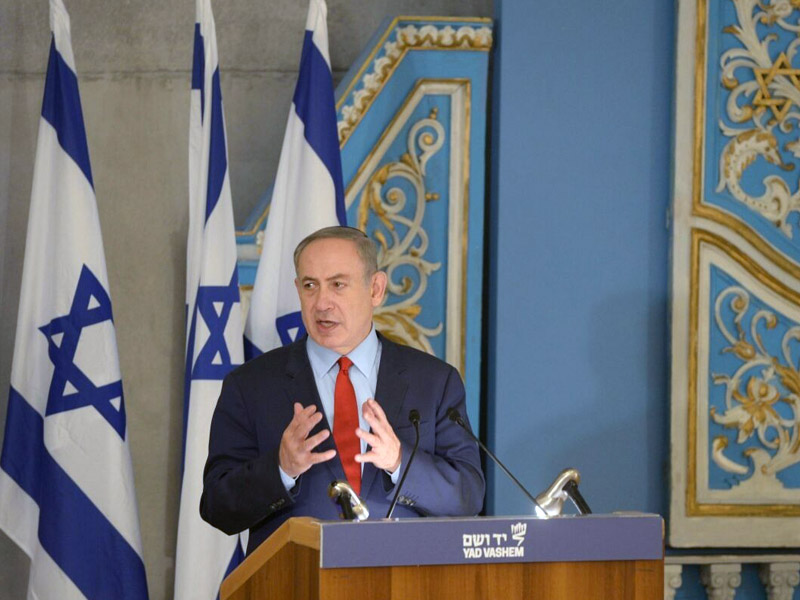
[{"x": 577, "y": 348}]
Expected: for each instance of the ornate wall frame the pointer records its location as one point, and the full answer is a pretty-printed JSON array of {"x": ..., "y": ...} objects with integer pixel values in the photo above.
[{"x": 735, "y": 276}]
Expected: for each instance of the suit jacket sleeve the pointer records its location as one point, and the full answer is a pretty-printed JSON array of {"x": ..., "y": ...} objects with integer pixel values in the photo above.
[
  {"x": 445, "y": 480},
  {"x": 241, "y": 485}
]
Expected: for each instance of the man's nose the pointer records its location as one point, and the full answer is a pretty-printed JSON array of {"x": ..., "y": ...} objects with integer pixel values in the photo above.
[{"x": 324, "y": 299}]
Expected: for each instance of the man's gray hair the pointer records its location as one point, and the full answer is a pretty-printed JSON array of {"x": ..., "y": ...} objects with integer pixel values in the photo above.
[{"x": 364, "y": 246}]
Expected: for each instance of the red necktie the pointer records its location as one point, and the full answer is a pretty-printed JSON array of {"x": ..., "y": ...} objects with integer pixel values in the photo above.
[{"x": 345, "y": 421}]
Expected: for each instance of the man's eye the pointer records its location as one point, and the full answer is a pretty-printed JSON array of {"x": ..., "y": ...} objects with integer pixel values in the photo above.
[
  {"x": 338, "y": 284},
  {"x": 309, "y": 285}
]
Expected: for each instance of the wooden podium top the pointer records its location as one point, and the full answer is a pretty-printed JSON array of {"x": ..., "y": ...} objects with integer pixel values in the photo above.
[{"x": 462, "y": 541}]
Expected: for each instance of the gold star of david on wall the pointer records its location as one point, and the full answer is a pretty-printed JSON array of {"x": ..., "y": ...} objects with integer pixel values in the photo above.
[{"x": 764, "y": 77}]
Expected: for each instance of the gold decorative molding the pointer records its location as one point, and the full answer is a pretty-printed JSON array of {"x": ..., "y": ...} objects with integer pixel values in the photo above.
[
  {"x": 367, "y": 185},
  {"x": 256, "y": 227},
  {"x": 699, "y": 207},
  {"x": 397, "y": 320},
  {"x": 693, "y": 506},
  {"x": 410, "y": 37}
]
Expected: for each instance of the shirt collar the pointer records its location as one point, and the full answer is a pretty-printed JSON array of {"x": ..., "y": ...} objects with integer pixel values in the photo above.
[{"x": 363, "y": 356}]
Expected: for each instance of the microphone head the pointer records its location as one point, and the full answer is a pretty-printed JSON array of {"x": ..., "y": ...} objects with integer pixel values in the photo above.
[
  {"x": 413, "y": 416},
  {"x": 342, "y": 488},
  {"x": 455, "y": 416},
  {"x": 552, "y": 499}
]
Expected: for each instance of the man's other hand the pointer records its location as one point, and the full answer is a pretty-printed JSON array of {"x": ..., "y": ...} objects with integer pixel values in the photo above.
[
  {"x": 295, "y": 456},
  {"x": 385, "y": 452}
]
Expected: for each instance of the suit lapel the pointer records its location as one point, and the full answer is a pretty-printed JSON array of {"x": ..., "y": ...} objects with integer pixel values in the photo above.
[
  {"x": 390, "y": 393},
  {"x": 301, "y": 387}
]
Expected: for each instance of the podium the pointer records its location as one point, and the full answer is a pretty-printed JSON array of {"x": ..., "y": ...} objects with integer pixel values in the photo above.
[{"x": 593, "y": 557}]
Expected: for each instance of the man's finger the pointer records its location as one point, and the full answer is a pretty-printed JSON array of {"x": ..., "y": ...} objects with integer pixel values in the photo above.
[
  {"x": 306, "y": 423},
  {"x": 316, "y": 439},
  {"x": 318, "y": 457},
  {"x": 369, "y": 457},
  {"x": 297, "y": 418},
  {"x": 371, "y": 439},
  {"x": 377, "y": 409},
  {"x": 376, "y": 418}
]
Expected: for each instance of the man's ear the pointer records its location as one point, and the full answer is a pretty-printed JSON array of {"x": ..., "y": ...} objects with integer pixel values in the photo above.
[{"x": 378, "y": 288}]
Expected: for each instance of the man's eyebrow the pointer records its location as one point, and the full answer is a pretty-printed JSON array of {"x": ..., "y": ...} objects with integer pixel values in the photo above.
[{"x": 331, "y": 278}]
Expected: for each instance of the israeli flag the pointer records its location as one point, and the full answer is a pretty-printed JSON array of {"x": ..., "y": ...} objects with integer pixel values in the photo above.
[
  {"x": 204, "y": 555},
  {"x": 308, "y": 193},
  {"x": 66, "y": 482}
]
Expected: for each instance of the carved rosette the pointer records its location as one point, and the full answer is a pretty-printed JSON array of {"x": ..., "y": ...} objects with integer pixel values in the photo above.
[{"x": 402, "y": 239}]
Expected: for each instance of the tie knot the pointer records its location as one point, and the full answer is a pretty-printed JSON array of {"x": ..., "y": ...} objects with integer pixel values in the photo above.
[{"x": 345, "y": 364}]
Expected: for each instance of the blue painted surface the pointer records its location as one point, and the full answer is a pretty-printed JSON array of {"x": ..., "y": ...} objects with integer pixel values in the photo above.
[{"x": 577, "y": 346}]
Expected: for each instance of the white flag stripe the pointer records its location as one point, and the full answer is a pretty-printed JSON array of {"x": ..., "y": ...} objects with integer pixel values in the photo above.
[
  {"x": 60, "y": 26},
  {"x": 214, "y": 327},
  {"x": 19, "y": 507},
  {"x": 316, "y": 22},
  {"x": 47, "y": 580},
  {"x": 304, "y": 197},
  {"x": 67, "y": 481}
]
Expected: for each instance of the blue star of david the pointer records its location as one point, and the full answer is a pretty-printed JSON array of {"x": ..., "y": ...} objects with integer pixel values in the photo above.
[
  {"x": 90, "y": 305},
  {"x": 214, "y": 303},
  {"x": 284, "y": 324}
]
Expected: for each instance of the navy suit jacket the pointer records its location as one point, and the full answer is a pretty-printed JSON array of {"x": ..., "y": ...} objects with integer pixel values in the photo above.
[{"x": 242, "y": 487}]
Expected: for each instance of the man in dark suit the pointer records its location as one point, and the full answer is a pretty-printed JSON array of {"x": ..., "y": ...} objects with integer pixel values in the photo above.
[{"x": 272, "y": 455}]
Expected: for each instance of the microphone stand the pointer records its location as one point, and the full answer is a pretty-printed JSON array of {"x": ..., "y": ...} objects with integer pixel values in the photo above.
[
  {"x": 413, "y": 416},
  {"x": 459, "y": 420}
]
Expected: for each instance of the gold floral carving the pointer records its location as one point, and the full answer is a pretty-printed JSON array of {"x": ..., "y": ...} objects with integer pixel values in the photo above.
[
  {"x": 752, "y": 392},
  {"x": 746, "y": 349},
  {"x": 402, "y": 240}
]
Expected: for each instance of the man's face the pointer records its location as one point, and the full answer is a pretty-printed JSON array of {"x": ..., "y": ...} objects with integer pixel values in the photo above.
[{"x": 335, "y": 298}]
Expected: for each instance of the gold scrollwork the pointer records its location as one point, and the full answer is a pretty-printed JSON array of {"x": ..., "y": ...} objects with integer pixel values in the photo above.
[
  {"x": 757, "y": 106},
  {"x": 742, "y": 348},
  {"x": 402, "y": 240},
  {"x": 751, "y": 407}
]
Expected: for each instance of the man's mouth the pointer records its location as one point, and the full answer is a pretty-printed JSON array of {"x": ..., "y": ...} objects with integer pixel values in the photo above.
[{"x": 326, "y": 325}]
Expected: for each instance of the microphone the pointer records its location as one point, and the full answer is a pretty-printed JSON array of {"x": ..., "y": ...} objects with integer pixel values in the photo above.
[
  {"x": 353, "y": 507},
  {"x": 413, "y": 416},
  {"x": 577, "y": 498},
  {"x": 565, "y": 486},
  {"x": 456, "y": 417}
]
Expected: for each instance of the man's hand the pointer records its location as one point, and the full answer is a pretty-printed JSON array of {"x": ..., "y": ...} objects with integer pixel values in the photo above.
[
  {"x": 295, "y": 455},
  {"x": 385, "y": 452}
]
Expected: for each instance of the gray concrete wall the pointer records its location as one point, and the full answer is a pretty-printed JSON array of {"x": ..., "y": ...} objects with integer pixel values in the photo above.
[{"x": 134, "y": 61}]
